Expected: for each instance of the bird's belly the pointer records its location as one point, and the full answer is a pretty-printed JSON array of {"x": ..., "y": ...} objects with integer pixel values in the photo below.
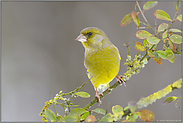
[
  {"x": 102, "y": 68},
  {"x": 103, "y": 73}
]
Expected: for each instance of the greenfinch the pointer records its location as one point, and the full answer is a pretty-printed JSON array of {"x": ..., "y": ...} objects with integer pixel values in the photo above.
[{"x": 102, "y": 59}]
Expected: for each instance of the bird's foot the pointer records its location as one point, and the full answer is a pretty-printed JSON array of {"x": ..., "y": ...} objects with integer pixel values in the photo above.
[
  {"x": 119, "y": 79},
  {"x": 98, "y": 97}
]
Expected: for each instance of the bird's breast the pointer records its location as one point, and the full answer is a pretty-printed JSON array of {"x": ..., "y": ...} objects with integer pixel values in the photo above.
[{"x": 102, "y": 65}]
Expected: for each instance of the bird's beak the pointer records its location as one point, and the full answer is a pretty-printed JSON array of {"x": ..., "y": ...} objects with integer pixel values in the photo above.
[{"x": 81, "y": 38}]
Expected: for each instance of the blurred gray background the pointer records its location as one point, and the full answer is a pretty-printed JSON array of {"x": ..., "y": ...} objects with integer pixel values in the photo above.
[{"x": 40, "y": 56}]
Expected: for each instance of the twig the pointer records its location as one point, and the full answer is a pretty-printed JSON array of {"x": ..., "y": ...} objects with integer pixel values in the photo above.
[
  {"x": 107, "y": 109},
  {"x": 148, "y": 25},
  {"x": 127, "y": 46},
  {"x": 142, "y": 27},
  {"x": 155, "y": 26},
  {"x": 175, "y": 15},
  {"x": 77, "y": 89},
  {"x": 147, "y": 54},
  {"x": 108, "y": 90},
  {"x": 55, "y": 108},
  {"x": 142, "y": 12},
  {"x": 142, "y": 102}
]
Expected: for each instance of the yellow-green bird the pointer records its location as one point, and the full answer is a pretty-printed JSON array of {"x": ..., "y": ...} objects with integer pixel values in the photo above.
[{"x": 102, "y": 59}]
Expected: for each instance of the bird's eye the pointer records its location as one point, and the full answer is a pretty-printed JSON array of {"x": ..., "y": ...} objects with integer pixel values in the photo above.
[{"x": 90, "y": 33}]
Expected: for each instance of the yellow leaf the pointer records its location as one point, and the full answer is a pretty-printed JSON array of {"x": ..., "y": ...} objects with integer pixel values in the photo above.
[
  {"x": 153, "y": 40},
  {"x": 135, "y": 18},
  {"x": 177, "y": 39},
  {"x": 126, "y": 20},
  {"x": 151, "y": 54},
  {"x": 83, "y": 94},
  {"x": 170, "y": 99},
  {"x": 160, "y": 14},
  {"x": 139, "y": 47},
  {"x": 159, "y": 61},
  {"x": 149, "y": 5},
  {"x": 171, "y": 45},
  {"x": 176, "y": 3},
  {"x": 142, "y": 34},
  {"x": 179, "y": 18},
  {"x": 162, "y": 27},
  {"x": 146, "y": 115}
]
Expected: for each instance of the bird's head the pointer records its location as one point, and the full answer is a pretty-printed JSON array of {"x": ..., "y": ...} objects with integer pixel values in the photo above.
[{"x": 93, "y": 38}]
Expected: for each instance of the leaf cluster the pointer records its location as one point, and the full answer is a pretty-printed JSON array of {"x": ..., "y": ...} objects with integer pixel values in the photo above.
[{"x": 170, "y": 37}]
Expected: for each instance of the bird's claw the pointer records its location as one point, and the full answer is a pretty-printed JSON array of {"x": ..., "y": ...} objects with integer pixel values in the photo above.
[
  {"x": 119, "y": 79},
  {"x": 98, "y": 97}
]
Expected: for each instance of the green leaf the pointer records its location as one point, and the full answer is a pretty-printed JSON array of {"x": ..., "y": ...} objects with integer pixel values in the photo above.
[
  {"x": 165, "y": 34},
  {"x": 139, "y": 47},
  {"x": 69, "y": 118},
  {"x": 77, "y": 112},
  {"x": 176, "y": 3},
  {"x": 126, "y": 20},
  {"x": 151, "y": 54},
  {"x": 153, "y": 40},
  {"x": 131, "y": 118},
  {"x": 149, "y": 5},
  {"x": 90, "y": 118},
  {"x": 162, "y": 54},
  {"x": 160, "y": 14},
  {"x": 117, "y": 109},
  {"x": 83, "y": 94},
  {"x": 178, "y": 53},
  {"x": 145, "y": 43},
  {"x": 85, "y": 115},
  {"x": 179, "y": 18},
  {"x": 172, "y": 59},
  {"x": 126, "y": 108},
  {"x": 170, "y": 99},
  {"x": 105, "y": 118},
  {"x": 135, "y": 18},
  {"x": 99, "y": 110},
  {"x": 142, "y": 34},
  {"x": 175, "y": 30},
  {"x": 167, "y": 54},
  {"x": 170, "y": 55},
  {"x": 157, "y": 56},
  {"x": 162, "y": 27},
  {"x": 135, "y": 116},
  {"x": 146, "y": 115},
  {"x": 177, "y": 39},
  {"x": 58, "y": 118},
  {"x": 171, "y": 45},
  {"x": 50, "y": 115}
]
